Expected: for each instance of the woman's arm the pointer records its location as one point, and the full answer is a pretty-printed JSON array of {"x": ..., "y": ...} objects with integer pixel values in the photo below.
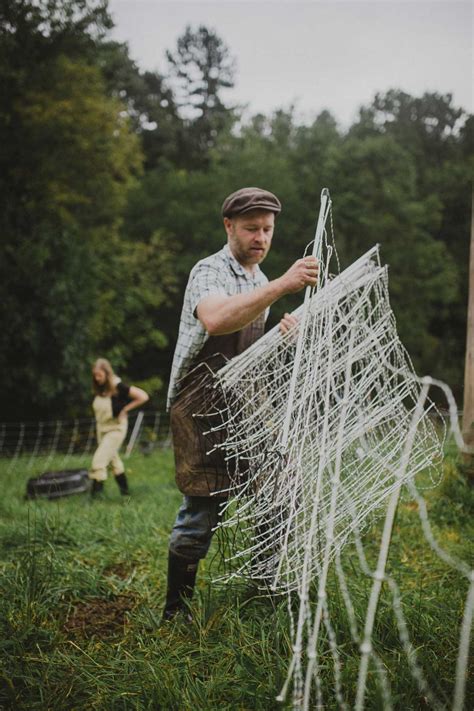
[{"x": 138, "y": 397}]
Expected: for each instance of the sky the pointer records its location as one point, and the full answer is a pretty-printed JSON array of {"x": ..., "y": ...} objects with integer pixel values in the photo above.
[{"x": 323, "y": 54}]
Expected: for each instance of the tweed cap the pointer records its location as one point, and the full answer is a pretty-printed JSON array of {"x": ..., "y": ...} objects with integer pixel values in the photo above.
[{"x": 247, "y": 199}]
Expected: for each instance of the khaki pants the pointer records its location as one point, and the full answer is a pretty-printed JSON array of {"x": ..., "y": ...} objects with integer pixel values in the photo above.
[{"x": 107, "y": 453}]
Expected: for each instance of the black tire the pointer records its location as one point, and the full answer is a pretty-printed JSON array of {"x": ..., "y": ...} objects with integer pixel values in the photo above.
[{"x": 52, "y": 485}]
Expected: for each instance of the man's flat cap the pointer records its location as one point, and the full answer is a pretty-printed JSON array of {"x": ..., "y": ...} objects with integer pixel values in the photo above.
[{"x": 248, "y": 199}]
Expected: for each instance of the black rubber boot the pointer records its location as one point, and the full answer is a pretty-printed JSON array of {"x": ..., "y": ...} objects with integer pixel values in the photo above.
[
  {"x": 122, "y": 482},
  {"x": 97, "y": 487},
  {"x": 181, "y": 580}
]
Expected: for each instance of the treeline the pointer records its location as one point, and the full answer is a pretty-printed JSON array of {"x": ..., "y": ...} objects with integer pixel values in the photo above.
[{"x": 111, "y": 181}]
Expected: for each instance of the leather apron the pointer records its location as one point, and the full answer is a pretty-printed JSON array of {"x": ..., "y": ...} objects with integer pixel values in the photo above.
[{"x": 198, "y": 408}]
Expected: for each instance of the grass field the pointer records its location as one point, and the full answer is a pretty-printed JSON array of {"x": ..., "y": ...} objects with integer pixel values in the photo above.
[{"x": 82, "y": 588}]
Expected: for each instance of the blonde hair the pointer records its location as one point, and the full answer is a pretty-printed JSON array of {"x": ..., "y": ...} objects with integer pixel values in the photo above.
[{"x": 108, "y": 388}]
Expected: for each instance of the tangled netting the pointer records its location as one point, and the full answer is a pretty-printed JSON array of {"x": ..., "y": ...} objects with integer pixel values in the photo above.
[
  {"x": 315, "y": 424},
  {"x": 321, "y": 428}
]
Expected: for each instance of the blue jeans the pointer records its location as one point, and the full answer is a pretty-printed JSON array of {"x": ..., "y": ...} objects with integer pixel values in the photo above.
[{"x": 192, "y": 531}]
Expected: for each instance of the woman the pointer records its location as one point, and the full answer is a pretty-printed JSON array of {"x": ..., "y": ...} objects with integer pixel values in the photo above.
[{"x": 113, "y": 400}]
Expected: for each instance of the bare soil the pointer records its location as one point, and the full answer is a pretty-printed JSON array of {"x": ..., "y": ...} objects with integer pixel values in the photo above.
[{"x": 99, "y": 617}]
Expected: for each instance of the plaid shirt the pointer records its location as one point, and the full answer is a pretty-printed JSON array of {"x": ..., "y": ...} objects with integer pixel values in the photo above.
[{"x": 219, "y": 274}]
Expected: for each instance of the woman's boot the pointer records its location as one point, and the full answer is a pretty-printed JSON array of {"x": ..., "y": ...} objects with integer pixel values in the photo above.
[
  {"x": 97, "y": 487},
  {"x": 122, "y": 483}
]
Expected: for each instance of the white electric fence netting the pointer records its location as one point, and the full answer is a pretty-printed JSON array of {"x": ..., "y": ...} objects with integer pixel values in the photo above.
[
  {"x": 321, "y": 429},
  {"x": 71, "y": 443}
]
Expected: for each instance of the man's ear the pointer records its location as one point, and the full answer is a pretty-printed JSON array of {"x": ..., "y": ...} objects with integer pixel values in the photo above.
[{"x": 228, "y": 225}]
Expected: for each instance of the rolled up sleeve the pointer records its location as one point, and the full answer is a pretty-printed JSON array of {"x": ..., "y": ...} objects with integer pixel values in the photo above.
[{"x": 205, "y": 281}]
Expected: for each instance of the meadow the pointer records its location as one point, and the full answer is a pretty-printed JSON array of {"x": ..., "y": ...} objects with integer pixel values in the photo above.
[{"x": 82, "y": 587}]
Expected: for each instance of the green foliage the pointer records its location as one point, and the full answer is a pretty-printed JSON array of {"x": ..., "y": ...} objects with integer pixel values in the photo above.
[
  {"x": 124, "y": 324},
  {"x": 70, "y": 156},
  {"x": 67, "y": 161},
  {"x": 37, "y": 27},
  {"x": 438, "y": 137},
  {"x": 374, "y": 180},
  {"x": 149, "y": 102}
]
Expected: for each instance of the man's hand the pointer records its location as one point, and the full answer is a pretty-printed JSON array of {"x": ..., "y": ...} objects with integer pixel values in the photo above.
[
  {"x": 304, "y": 272},
  {"x": 226, "y": 314},
  {"x": 287, "y": 323}
]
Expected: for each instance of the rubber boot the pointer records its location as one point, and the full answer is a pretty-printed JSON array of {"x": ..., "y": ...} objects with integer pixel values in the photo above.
[
  {"x": 97, "y": 488},
  {"x": 122, "y": 483},
  {"x": 181, "y": 580}
]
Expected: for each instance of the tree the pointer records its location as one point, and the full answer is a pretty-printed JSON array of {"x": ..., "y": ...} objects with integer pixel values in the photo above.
[
  {"x": 202, "y": 67},
  {"x": 32, "y": 31},
  {"x": 374, "y": 180},
  {"x": 438, "y": 137},
  {"x": 67, "y": 158},
  {"x": 127, "y": 323},
  {"x": 148, "y": 100}
]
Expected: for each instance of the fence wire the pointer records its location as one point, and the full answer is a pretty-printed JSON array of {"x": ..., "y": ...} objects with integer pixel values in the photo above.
[{"x": 47, "y": 439}]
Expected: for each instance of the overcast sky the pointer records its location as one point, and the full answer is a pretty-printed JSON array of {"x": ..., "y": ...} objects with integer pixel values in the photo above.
[{"x": 330, "y": 54}]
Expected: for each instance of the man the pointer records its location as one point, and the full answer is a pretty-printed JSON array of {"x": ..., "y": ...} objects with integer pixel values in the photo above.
[{"x": 225, "y": 307}]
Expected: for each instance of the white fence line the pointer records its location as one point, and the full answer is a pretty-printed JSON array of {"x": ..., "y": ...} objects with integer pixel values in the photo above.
[{"x": 146, "y": 431}]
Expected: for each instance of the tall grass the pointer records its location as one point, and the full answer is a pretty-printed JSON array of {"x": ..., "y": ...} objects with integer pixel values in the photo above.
[{"x": 82, "y": 588}]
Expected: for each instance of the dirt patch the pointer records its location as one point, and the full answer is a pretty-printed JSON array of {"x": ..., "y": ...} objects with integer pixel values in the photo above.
[
  {"x": 99, "y": 617},
  {"x": 120, "y": 570}
]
